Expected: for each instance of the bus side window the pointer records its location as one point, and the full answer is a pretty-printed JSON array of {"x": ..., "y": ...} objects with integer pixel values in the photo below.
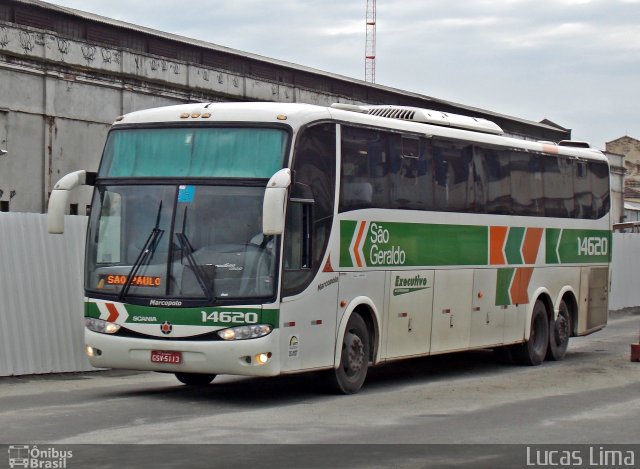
[
  {"x": 297, "y": 246},
  {"x": 497, "y": 190},
  {"x": 453, "y": 177},
  {"x": 365, "y": 168},
  {"x": 526, "y": 184},
  {"x": 558, "y": 187},
  {"x": 582, "y": 187},
  {"x": 410, "y": 187},
  {"x": 600, "y": 187},
  {"x": 310, "y": 208}
]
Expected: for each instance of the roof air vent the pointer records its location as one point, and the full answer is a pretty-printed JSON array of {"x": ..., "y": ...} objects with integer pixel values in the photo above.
[
  {"x": 574, "y": 144},
  {"x": 425, "y": 116}
]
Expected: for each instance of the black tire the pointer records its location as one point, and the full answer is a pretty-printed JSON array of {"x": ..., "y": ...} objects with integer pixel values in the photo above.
[
  {"x": 195, "y": 379},
  {"x": 354, "y": 359},
  {"x": 559, "y": 333},
  {"x": 534, "y": 350}
]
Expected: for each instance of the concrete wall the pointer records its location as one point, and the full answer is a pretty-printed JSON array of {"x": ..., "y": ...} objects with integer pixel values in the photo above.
[{"x": 58, "y": 98}]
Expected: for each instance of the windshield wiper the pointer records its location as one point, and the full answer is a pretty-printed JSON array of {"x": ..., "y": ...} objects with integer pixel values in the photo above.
[
  {"x": 187, "y": 249},
  {"x": 145, "y": 254}
]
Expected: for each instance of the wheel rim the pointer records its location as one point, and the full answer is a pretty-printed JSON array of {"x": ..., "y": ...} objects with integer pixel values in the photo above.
[{"x": 353, "y": 354}]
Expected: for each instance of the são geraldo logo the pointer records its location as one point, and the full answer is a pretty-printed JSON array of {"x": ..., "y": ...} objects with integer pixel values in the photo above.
[
  {"x": 371, "y": 245},
  {"x": 34, "y": 457}
]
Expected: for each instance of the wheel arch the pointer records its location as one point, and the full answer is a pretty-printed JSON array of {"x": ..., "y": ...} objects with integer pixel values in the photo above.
[{"x": 370, "y": 315}]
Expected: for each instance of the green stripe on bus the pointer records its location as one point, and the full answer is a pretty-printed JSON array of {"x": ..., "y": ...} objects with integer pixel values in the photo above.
[
  {"x": 207, "y": 316},
  {"x": 552, "y": 236},
  {"x": 91, "y": 310},
  {"x": 347, "y": 230},
  {"x": 389, "y": 244},
  {"x": 505, "y": 276},
  {"x": 577, "y": 246},
  {"x": 513, "y": 245}
]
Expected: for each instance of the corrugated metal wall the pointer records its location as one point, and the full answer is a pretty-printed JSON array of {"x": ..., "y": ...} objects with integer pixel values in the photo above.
[
  {"x": 625, "y": 271},
  {"x": 41, "y": 297}
]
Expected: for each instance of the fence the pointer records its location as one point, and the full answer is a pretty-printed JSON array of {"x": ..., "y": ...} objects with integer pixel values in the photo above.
[
  {"x": 41, "y": 326},
  {"x": 625, "y": 276}
]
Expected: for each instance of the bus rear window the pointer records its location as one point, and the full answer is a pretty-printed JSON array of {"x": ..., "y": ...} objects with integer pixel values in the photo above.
[{"x": 194, "y": 152}]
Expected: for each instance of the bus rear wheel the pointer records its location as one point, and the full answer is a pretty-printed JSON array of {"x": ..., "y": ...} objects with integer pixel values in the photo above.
[
  {"x": 559, "y": 333},
  {"x": 534, "y": 350},
  {"x": 195, "y": 379},
  {"x": 354, "y": 358}
]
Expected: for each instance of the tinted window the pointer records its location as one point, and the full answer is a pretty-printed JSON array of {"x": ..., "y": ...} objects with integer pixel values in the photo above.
[
  {"x": 453, "y": 183},
  {"x": 600, "y": 188},
  {"x": 493, "y": 180},
  {"x": 194, "y": 152},
  {"x": 526, "y": 184},
  {"x": 411, "y": 175},
  {"x": 365, "y": 167},
  {"x": 309, "y": 223},
  {"x": 559, "y": 200},
  {"x": 387, "y": 170}
]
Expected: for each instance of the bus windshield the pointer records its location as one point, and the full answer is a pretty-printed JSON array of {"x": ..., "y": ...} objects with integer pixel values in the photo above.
[
  {"x": 197, "y": 152},
  {"x": 194, "y": 242}
]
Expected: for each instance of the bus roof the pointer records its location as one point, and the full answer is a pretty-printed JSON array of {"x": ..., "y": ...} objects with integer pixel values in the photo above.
[{"x": 421, "y": 122}]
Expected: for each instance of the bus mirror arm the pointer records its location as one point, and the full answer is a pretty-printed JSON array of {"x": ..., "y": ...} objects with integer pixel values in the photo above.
[
  {"x": 59, "y": 198},
  {"x": 275, "y": 196}
]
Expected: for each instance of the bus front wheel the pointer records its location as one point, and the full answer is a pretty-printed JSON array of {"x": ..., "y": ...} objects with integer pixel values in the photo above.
[
  {"x": 195, "y": 379},
  {"x": 354, "y": 358},
  {"x": 534, "y": 350}
]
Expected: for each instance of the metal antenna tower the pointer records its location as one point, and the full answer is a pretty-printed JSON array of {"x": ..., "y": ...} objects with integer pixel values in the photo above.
[{"x": 370, "y": 44}]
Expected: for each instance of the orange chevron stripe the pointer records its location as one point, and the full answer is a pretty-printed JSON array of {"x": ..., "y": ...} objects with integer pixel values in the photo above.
[
  {"x": 328, "y": 267},
  {"x": 113, "y": 312},
  {"x": 520, "y": 285},
  {"x": 357, "y": 244},
  {"x": 531, "y": 245},
  {"x": 497, "y": 238}
]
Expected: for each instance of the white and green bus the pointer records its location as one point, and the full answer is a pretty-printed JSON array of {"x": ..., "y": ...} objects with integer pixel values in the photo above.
[{"x": 263, "y": 239}]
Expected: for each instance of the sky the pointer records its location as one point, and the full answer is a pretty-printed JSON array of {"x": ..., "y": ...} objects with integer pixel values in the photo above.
[{"x": 574, "y": 62}]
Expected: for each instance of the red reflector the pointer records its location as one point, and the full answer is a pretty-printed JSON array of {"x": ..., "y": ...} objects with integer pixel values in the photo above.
[
  {"x": 316, "y": 323},
  {"x": 289, "y": 324}
]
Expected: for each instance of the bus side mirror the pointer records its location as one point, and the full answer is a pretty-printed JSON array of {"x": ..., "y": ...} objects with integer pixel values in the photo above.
[
  {"x": 60, "y": 198},
  {"x": 273, "y": 204}
]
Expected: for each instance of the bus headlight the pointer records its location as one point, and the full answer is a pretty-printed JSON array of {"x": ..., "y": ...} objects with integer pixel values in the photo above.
[
  {"x": 252, "y": 331},
  {"x": 98, "y": 325}
]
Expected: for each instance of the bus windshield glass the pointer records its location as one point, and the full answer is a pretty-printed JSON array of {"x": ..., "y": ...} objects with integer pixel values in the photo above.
[
  {"x": 196, "y": 152},
  {"x": 193, "y": 242}
]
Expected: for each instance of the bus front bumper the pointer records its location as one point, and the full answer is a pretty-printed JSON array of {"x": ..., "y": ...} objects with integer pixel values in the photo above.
[{"x": 250, "y": 357}]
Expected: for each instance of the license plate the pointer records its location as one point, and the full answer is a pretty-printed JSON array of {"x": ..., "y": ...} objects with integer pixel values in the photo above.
[{"x": 159, "y": 356}]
